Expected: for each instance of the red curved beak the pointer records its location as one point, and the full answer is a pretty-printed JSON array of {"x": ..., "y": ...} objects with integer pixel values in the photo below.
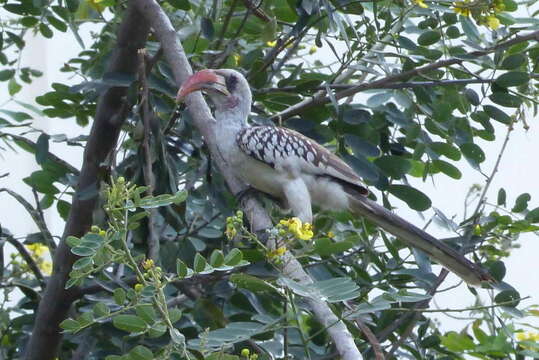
[{"x": 202, "y": 80}]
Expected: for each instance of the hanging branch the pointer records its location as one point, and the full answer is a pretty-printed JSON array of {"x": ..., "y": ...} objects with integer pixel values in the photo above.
[{"x": 258, "y": 217}]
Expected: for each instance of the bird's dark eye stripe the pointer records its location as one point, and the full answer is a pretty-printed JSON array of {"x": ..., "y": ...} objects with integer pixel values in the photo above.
[{"x": 231, "y": 82}]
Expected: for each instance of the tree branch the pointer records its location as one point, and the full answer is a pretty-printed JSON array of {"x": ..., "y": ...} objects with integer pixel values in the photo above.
[
  {"x": 258, "y": 217},
  {"x": 110, "y": 115},
  {"x": 322, "y": 98},
  {"x": 147, "y": 169}
]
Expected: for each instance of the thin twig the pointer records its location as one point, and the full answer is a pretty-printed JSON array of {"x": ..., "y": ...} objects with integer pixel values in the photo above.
[
  {"x": 224, "y": 28},
  {"x": 149, "y": 178},
  {"x": 371, "y": 338},
  {"x": 38, "y": 220}
]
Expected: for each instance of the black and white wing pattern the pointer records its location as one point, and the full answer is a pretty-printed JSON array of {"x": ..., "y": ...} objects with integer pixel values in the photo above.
[{"x": 276, "y": 146}]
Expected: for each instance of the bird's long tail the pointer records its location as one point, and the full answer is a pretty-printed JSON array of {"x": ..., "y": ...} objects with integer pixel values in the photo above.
[{"x": 472, "y": 273}]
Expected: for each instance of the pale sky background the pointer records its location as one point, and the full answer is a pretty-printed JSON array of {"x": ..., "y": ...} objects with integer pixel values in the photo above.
[{"x": 518, "y": 173}]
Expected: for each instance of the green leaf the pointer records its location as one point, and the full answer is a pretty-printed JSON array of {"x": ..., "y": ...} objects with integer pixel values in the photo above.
[
  {"x": 181, "y": 269},
  {"x": 82, "y": 263},
  {"x": 83, "y": 251},
  {"x": 217, "y": 258},
  {"x": 502, "y": 197},
  {"x": 472, "y": 96},
  {"x": 45, "y": 31},
  {"x": 234, "y": 257},
  {"x": 129, "y": 323},
  {"x": 207, "y": 28},
  {"x": 119, "y": 296},
  {"x": 180, "y": 4},
  {"x": 17, "y": 115},
  {"x": 140, "y": 352},
  {"x": 428, "y": 38},
  {"x": 57, "y": 23},
  {"x": 146, "y": 313},
  {"x": 505, "y": 99},
  {"x": 326, "y": 247},
  {"x": 6, "y": 74},
  {"x": 393, "y": 166},
  {"x": 513, "y": 61},
  {"x": 70, "y": 325},
  {"x": 42, "y": 148},
  {"x": 447, "y": 169},
  {"x": 360, "y": 146},
  {"x": 509, "y": 298},
  {"x": 251, "y": 283},
  {"x": 411, "y": 196},
  {"x": 521, "y": 203},
  {"x": 533, "y": 215},
  {"x": 199, "y": 263},
  {"x": 473, "y": 153},
  {"x": 514, "y": 78},
  {"x": 497, "y": 114},
  {"x": 13, "y": 87},
  {"x": 100, "y": 310},
  {"x": 456, "y": 342},
  {"x": 446, "y": 149}
]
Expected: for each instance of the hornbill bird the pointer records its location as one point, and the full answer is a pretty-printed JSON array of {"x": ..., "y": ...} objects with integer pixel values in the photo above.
[{"x": 300, "y": 172}]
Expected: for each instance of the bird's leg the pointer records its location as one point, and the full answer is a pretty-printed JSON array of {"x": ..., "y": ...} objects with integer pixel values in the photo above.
[{"x": 299, "y": 199}]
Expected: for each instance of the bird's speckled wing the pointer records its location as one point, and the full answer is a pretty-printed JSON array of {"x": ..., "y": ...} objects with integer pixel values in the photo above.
[{"x": 277, "y": 147}]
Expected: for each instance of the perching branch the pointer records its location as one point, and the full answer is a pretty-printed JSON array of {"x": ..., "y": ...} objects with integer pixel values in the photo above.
[
  {"x": 110, "y": 115},
  {"x": 258, "y": 217},
  {"x": 322, "y": 98}
]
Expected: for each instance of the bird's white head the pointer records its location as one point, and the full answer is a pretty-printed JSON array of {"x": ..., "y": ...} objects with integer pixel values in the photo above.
[{"x": 227, "y": 89}]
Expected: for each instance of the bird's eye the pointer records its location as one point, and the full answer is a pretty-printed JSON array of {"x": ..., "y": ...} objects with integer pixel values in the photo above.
[{"x": 231, "y": 82}]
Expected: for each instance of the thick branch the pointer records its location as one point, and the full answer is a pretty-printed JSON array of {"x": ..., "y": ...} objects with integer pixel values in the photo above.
[
  {"x": 110, "y": 115},
  {"x": 321, "y": 98},
  {"x": 258, "y": 217}
]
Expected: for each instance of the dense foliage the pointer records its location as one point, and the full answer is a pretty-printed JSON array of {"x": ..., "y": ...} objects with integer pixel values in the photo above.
[{"x": 181, "y": 275}]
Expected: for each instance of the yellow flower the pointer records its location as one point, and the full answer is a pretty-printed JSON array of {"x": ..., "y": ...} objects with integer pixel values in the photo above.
[
  {"x": 528, "y": 336},
  {"x": 37, "y": 249},
  {"x": 245, "y": 352},
  {"x": 421, "y": 4},
  {"x": 312, "y": 50},
  {"x": 271, "y": 43},
  {"x": 148, "y": 264},
  {"x": 331, "y": 235},
  {"x": 230, "y": 231},
  {"x": 46, "y": 267},
  {"x": 300, "y": 231},
  {"x": 493, "y": 22},
  {"x": 237, "y": 59},
  {"x": 139, "y": 287},
  {"x": 460, "y": 7}
]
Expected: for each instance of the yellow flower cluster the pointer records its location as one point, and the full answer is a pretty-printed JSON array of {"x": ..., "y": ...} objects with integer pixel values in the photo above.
[
  {"x": 277, "y": 252},
  {"x": 37, "y": 251},
  {"x": 420, "y": 3},
  {"x": 302, "y": 231},
  {"x": 232, "y": 224},
  {"x": 485, "y": 15},
  {"x": 528, "y": 336},
  {"x": 148, "y": 264}
]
